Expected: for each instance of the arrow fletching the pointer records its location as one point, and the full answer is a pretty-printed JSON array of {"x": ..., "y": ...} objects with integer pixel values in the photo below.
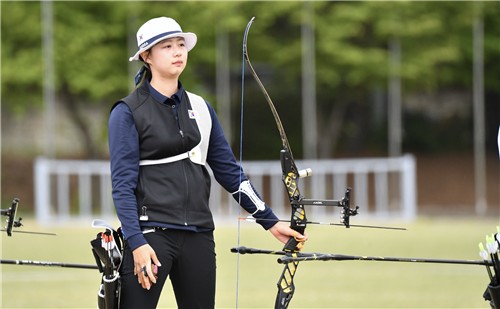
[{"x": 482, "y": 252}]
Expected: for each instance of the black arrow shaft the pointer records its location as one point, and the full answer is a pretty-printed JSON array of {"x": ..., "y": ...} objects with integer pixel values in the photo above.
[
  {"x": 332, "y": 223},
  {"x": 48, "y": 264},
  {"x": 359, "y": 225},
  {"x": 34, "y": 233},
  {"x": 246, "y": 250}
]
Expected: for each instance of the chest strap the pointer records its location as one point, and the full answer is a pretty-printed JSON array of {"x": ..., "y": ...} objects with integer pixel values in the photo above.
[
  {"x": 198, "y": 154},
  {"x": 182, "y": 156}
]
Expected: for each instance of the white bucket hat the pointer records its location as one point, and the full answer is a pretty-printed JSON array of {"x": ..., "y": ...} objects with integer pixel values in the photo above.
[{"x": 158, "y": 29}]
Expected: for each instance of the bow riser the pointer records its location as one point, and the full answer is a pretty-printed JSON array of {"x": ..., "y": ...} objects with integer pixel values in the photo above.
[
  {"x": 286, "y": 287},
  {"x": 298, "y": 220}
]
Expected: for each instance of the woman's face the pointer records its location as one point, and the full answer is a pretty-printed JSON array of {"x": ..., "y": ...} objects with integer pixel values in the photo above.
[{"x": 167, "y": 58}]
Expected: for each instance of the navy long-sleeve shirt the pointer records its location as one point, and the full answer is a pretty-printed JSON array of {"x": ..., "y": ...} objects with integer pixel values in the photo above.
[{"x": 124, "y": 153}]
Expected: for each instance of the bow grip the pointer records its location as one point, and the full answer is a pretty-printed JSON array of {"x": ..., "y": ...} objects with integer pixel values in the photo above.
[{"x": 293, "y": 244}]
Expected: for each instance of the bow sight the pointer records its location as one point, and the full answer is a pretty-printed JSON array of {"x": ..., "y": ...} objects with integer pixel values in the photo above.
[
  {"x": 11, "y": 217},
  {"x": 11, "y": 213}
]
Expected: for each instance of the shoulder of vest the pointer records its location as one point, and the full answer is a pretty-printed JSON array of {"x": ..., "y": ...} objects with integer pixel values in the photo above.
[
  {"x": 193, "y": 96},
  {"x": 201, "y": 101},
  {"x": 134, "y": 99}
]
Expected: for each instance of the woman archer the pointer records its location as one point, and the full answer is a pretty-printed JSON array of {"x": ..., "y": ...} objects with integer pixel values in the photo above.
[{"x": 161, "y": 137}]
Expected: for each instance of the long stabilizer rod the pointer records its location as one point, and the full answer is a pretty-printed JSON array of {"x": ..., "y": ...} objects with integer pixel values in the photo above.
[
  {"x": 48, "y": 264},
  {"x": 302, "y": 257}
]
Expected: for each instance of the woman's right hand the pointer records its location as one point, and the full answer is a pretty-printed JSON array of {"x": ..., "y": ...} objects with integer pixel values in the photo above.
[{"x": 145, "y": 265}]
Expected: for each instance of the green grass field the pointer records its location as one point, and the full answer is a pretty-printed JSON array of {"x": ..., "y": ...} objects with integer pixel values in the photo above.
[{"x": 335, "y": 284}]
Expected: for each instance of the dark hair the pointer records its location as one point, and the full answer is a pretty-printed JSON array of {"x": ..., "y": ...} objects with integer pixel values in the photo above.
[{"x": 141, "y": 75}]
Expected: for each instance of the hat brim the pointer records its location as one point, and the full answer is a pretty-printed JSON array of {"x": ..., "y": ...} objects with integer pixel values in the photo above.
[{"x": 189, "y": 39}]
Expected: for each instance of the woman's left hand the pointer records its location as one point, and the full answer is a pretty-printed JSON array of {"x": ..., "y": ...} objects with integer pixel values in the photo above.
[{"x": 283, "y": 232}]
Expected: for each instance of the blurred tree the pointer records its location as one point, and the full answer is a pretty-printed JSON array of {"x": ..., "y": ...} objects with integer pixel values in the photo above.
[
  {"x": 89, "y": 58},
  {"x": 21, "y": 65},
  {"x": 352, "y": 46},
  {"x": 93, "y": 41}
]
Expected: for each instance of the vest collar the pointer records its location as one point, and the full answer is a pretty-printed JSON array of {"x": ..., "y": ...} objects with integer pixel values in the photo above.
[{"x": 177, "y": 97}]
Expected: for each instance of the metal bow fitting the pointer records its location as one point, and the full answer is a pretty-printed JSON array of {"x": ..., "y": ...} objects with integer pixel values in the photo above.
[
  {"x": 12, "y": 223},
  {"x": 10, "y": 213},
  {"x": 290, "y": 178}
]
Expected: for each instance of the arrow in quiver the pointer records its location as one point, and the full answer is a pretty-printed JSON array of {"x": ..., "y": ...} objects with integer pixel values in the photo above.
[{"x": 107, "y": 248}]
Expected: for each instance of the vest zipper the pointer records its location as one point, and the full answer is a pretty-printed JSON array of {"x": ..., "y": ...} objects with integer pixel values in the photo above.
[
  {"x": 176, "y": 115},
  {"x": 186, "y": 197}
]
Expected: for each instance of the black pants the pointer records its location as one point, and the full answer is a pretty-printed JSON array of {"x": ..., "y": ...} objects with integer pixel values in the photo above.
[{"x": 187, "y": 257}]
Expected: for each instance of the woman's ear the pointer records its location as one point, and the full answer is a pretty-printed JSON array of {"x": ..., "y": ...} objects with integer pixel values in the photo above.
[{"x": 144, "y": 56}]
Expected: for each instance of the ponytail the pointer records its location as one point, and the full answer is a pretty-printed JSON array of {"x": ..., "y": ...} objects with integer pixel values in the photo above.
[{"x": 140, "y": 76}]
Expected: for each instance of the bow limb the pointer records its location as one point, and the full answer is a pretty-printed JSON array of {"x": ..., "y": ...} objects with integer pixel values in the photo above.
[
  {"x": 281, "y": 130},
  {"x": 290, "y": 172},
  {"x": 290, "y": 177}
]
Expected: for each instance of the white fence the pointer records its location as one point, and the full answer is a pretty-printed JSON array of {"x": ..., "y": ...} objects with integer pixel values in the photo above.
[{"x": 383, "y": 187}]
